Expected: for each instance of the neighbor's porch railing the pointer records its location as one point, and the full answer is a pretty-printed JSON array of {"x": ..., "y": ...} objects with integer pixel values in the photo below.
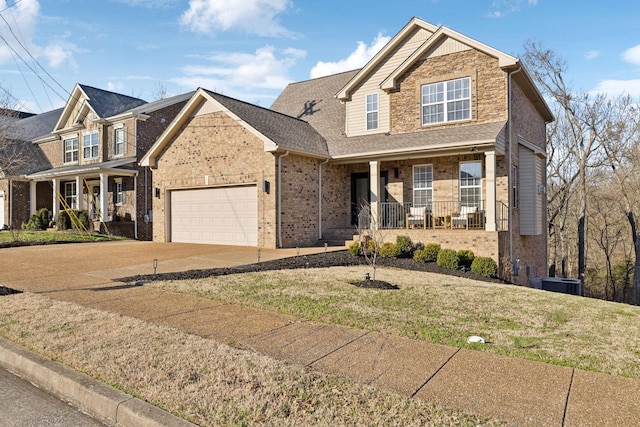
[{"x": 445, "y": 215}]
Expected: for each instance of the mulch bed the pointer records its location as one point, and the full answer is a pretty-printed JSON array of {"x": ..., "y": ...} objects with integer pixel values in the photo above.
[{"x": 320, "y": 260}]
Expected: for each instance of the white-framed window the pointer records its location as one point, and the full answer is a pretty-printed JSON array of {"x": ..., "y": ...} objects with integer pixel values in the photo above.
[
  {"x": 372, "y": 111},
  {"x": 447, "y": 101},
  {"x": 90, "y": 145},
  {"x": 471, "y": 184},
  {"x": 71, "y": 194},
  {"x": 119, "y": 141},
  {"x": 71, "y": 150},
  {"x": 514, "y": 187},
  {"x": 119, "y": 192},
  {"x": 423, "y": 186}
]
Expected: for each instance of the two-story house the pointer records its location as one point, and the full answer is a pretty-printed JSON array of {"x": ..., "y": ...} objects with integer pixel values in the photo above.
[
  {"x": 93, "y": 150},
  {"x": 442, "y": 136}
]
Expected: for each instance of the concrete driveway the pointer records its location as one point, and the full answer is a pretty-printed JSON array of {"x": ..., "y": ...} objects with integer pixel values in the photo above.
[{"x": 51, "y": 268}]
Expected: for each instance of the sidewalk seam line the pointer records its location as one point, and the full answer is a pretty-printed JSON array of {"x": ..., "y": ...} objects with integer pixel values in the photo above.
[
  {"x": 434, "y": 374},
  {"x": 338, "y": 348},
  {"x": 566, "y": 402}
]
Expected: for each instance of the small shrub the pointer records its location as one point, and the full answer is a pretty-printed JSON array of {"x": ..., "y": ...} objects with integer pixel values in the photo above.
[
  {"x": 38, "y": 221},
  {"x": 83, "y": 219},
  {"x": 432, "y": 250},
  {"x": 421, "y": 255},
  {"x": 448, "y": 258},
  {"x": 371, "y": 246},
  {"x": 388, "y": 250},
  {"x": 404, "y": 246},
  {"x": 64, "y": 221},
  {"x": 484, "y": 266},
  {"x": 354, "y": 249},
  {"x": 466, "y": 257}
]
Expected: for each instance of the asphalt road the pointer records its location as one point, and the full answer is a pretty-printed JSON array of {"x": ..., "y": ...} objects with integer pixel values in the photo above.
[{"x": 23, "y": 404}]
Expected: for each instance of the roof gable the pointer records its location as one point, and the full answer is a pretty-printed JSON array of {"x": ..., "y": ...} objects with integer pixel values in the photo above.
[
  {"x": 276, "y": 130},
  {"x": 102, "y": 103}
]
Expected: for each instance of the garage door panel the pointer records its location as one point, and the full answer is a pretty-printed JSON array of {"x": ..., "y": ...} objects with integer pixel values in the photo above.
[{"x": 227, "y": 216}]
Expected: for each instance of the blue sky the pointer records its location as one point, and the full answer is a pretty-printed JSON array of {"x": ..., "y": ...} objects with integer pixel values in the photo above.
[{"x": 250, "y": 49}]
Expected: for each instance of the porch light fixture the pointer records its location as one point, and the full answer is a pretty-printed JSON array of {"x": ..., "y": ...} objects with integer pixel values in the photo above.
[
  {"x": 157, "y": 192},
  {"x": 266, "y": 186},
  {"x": 473, "y": 149}
]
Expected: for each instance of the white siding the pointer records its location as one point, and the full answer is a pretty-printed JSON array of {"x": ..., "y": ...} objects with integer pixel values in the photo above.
[
  {"x": 356, "y": 108},
  {"x": 446, "y": 47}
]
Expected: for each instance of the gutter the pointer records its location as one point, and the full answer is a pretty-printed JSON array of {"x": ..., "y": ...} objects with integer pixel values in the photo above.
[{"x": 279, "y": 189}]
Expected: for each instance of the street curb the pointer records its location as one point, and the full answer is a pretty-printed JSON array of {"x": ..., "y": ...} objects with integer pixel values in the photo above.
[{"x": 103, "y": 402}]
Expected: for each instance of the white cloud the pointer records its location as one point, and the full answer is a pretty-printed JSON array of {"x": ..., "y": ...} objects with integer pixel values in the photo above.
[
  {"x": 250, "y": 16},
  {"x": 632, "y": 55},
  {"x": 357, "y": 59},
  {"x": 242, "y": 74},
  {"x": 501, "y": 8},
  {"x": 18, "y": 31},
  {"x": 591, "y": 55},
  {"x": 618, "y": 87}
]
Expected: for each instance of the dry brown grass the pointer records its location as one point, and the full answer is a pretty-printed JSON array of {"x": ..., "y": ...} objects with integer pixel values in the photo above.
[
  {"x": 204, "y": 381},
  {"x": 536, "y": 325}
]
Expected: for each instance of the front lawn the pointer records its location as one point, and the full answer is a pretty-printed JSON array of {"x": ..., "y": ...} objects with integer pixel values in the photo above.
[{"x": 30, "y": 237}]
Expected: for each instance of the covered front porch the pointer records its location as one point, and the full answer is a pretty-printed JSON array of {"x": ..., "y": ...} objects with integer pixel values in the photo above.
[{"x": 106, "y": 191}]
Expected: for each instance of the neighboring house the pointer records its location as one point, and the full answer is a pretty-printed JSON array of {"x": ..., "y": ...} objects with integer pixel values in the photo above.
[
  {"x": 443, "y": 136},
  {"x": 19, "y": 157},
  {"x": 93, "y": 149}
]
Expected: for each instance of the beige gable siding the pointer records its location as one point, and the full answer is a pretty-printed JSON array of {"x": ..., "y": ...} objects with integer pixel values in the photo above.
[
  {"x": 446, "y": 47},
  {"x": 531, "y": 175},
  {"x": 356, "y": 123}
]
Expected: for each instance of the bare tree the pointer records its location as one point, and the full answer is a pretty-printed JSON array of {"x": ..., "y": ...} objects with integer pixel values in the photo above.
[
  {"x": 371, "y": 236},
  {"x": 159, "y": 91},
  {"x": 577, "y": 136}
]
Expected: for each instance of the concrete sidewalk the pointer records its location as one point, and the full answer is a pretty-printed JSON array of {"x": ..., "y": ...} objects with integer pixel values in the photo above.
[{"x": 520, "y": 392}]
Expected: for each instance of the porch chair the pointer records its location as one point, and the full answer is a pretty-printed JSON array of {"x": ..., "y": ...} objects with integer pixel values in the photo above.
[
  {"x": 417, "y": 216},
  {"x": 462, "y": 220}
]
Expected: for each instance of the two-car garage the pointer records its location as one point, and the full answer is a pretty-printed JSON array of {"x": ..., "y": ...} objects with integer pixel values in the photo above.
[{"x": 221, "y": 216}]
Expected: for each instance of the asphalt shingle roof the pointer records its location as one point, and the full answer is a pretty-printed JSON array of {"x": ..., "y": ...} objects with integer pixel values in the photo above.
[
  {"x": 287, "y": 132},
  {"x": 107, "y": 104}
]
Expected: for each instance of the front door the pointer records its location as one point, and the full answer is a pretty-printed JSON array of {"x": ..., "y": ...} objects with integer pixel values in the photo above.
[{"x": 361, "y": 193}]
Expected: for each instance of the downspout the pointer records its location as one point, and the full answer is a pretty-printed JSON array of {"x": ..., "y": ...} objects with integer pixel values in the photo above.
[
  {"x": 135, "y": 206},
  {"x": 320, "y": 198},
  {"x": 510, "y": 173},
  {"x": 279, "y": 209}
]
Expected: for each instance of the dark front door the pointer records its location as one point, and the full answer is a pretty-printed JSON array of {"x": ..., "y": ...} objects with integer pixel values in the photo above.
[{"x": 361, "y": 193}]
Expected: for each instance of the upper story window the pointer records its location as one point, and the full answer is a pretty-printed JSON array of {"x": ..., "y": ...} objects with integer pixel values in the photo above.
[
  {"x": 423, "y": 186},
  {"x": 90, "y": 145},
  {"x": 446, "y": 101},
  {"x": 372, "y": 111},
  {"x": 71, "y": 150},
  {"x": 120, "y": 141}
]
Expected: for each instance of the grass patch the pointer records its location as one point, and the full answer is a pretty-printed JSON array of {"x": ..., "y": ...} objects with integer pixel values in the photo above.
[
  {"x": 206, "y": 382},
  {"x": 46, "y": 236},
  {"x": 521, "y": 322}
]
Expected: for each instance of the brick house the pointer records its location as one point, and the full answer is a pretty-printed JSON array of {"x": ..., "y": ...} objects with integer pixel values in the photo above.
[
  {"x": 19, "y": 157},
  {"x": 442, "y": 136},
  {"x": 92, "y": 151}
]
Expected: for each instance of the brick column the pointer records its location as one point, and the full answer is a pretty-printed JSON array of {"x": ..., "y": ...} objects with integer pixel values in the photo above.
[{"x": 490, "y": 184}]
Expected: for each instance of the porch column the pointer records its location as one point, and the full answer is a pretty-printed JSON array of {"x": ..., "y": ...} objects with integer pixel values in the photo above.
[
  {"x": 79, "y": 201},
  {"x": 104, "y": 190},
  {"x": 490, "y": 208},
  {"x": 56, "y": 203},
  {"x": 32, "y": 197},
  {"x": 374, "y": 179}
]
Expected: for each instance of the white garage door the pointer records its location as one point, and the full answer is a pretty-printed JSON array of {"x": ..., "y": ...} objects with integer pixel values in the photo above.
[{"x": 220, "y": 216}]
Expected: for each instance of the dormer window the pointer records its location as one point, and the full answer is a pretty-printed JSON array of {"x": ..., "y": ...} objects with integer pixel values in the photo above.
[
  {"x": 447, "y": 101},
  {"x": 90, "y": 145},
  {"x": 71, "y": 150},
  {"x": 372, "y": 111}
]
